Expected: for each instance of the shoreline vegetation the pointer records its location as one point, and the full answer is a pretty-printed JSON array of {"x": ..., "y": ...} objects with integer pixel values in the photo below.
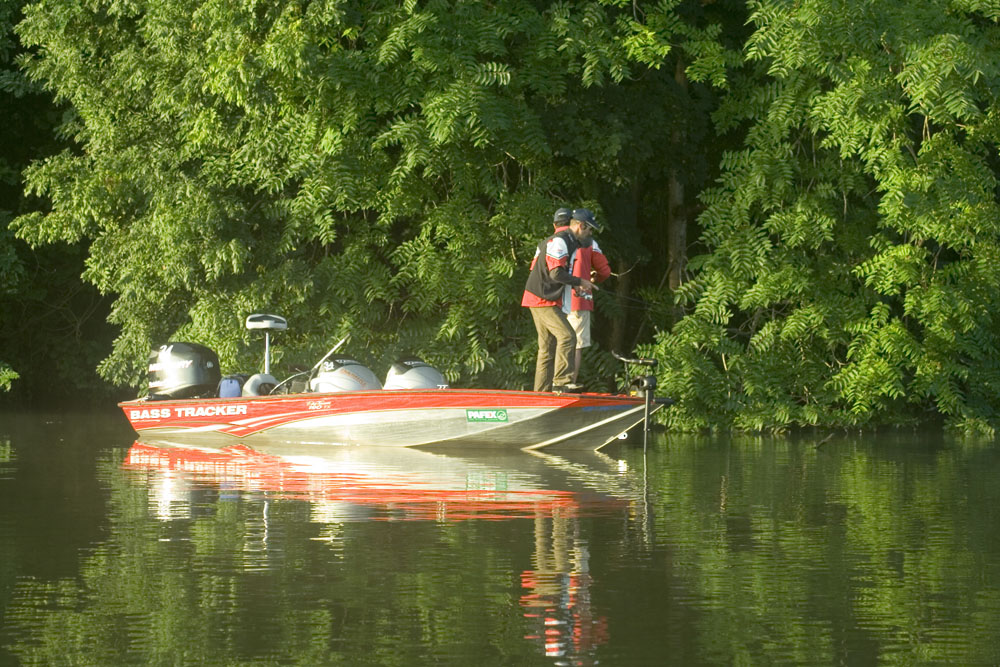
[{"x": 800, "y": 199}]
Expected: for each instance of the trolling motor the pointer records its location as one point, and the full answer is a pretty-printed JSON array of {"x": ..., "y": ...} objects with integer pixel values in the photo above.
[{"x": 645, "y": 384}]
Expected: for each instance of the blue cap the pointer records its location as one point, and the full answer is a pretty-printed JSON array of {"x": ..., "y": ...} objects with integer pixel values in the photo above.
[{"x": 584, "y": 215}]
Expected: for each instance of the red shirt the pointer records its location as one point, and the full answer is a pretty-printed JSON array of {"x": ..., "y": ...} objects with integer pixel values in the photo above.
[{"x": 588, "y": 258}]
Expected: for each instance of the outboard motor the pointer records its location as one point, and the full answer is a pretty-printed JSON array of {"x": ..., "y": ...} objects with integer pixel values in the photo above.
[
  {"x": 344, "y": 374},
  {"x": 414, "y": 373},
  {"x": 183, "y": 370}
]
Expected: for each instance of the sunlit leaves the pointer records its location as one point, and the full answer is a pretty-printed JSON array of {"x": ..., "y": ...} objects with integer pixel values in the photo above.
[
  {"x": 382, "y": 168},
  {"x": 849, "y": 241}
]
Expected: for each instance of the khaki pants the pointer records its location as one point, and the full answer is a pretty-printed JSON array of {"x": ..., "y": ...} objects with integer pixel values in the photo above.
[{"x": 556, "y": 348}]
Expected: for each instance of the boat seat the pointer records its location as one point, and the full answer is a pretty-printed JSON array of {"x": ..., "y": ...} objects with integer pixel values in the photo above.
[
  {"x": 260, "y": 384},
  {"x": 231, "y": 386}
]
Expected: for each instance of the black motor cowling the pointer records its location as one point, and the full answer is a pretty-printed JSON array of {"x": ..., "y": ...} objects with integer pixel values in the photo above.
[{"x": 183, "y": 370}]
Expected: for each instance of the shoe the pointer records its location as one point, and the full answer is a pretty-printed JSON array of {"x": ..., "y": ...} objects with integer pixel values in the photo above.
[{"x": 570, "y": 388}]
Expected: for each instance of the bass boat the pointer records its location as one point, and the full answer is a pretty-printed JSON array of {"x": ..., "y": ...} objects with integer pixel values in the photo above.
[{"x": 341, "y": 402}]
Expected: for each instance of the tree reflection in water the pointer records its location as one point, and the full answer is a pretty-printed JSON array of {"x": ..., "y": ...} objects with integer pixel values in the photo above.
[
  {"x": 741, "y": 551},
  {"x": 356, "y": 487}
]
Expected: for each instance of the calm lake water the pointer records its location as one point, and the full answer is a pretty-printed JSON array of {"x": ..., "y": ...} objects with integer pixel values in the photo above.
[{"x": 707, "y": 550}]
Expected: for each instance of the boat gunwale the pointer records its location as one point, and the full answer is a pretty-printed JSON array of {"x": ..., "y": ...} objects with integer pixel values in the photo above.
[{"x": 566, "y": 397}]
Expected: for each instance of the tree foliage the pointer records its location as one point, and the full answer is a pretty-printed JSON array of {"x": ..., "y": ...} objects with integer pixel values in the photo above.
[
  {"x": 851, "y": 272},
  {"x": 377, "y": 168},
  {"x": 52, "y": 328},
  {"x": 10, "y": 265},
  {"x": 386, "y": 169}
]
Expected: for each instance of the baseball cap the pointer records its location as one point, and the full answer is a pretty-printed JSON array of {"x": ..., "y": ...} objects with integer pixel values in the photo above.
[{"x": 584, "y": 215}]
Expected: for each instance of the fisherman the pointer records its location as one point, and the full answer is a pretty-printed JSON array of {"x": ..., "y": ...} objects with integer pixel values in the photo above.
[
  {"x": 547, "y": 295},
  {"x": 588, "y": 262}
]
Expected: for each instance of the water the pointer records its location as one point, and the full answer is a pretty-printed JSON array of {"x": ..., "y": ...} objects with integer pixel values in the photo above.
[{"x": 718, "y": 551}]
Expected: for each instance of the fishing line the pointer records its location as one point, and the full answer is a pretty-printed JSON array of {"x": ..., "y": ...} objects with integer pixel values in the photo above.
[
  {"x": 635, "y": 300},
  {"x": 639, "y": 303}
]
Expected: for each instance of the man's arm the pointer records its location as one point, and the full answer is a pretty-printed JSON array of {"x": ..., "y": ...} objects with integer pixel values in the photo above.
[
  {"x": 560, "y": 274},
  {"x": 557, "y": 260},
  {"x": 599, "y": 265}
]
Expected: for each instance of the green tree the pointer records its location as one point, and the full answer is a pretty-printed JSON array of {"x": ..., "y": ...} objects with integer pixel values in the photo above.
[
  {"x": 51, "y": 323},
  {"x": 10, "y": 265},
  {"x": 851, "y": 272},
  {"x": 381, "y": 168}
]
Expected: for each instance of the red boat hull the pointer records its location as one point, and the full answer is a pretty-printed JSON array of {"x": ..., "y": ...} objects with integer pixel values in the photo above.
[{"x": 404, "y": 418}]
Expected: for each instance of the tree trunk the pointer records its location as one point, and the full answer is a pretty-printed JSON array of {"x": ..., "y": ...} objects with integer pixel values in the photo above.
[
  {"x": 676, "y": 212},
  {"x": 627, "y": 213}
]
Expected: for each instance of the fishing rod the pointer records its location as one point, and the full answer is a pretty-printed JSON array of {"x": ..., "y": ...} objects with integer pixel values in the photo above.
[{"x": 318, "y": 363}]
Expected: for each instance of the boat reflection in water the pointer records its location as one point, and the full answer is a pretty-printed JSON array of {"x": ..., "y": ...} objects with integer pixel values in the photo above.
[
  {"x": 556, "y": 598},
  {"x": 350, "y": 484},
  {"x": 373, "y": 483}
]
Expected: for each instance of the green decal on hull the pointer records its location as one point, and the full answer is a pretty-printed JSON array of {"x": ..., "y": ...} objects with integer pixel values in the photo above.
[{"x": 485, "y": 415}]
